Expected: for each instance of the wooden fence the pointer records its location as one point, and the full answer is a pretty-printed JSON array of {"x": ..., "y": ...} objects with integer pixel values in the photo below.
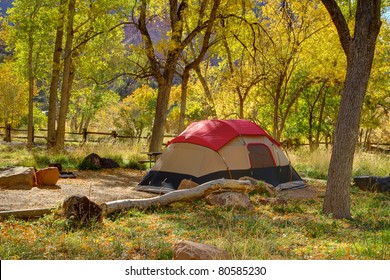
[{"x": 9, "y": 134}]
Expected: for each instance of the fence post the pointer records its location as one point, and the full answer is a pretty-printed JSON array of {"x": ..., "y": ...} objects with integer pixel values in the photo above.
[
  {"x": 85, "y": 133},
  {"x": 8, "y": 133}
]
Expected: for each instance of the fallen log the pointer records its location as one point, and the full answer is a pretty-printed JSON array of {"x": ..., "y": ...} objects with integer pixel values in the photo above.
[
  {"x": 214, "y": 186},
  {"x": 25, "y": 213}
]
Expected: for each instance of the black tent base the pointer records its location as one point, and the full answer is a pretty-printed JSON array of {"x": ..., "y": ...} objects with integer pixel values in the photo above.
[{"x": 282, "y": 177}]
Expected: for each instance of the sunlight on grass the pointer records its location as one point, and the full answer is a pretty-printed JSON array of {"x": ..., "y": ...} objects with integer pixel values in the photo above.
[
  {"x": 297, "y": 230},
  {"x": 315, "y": 164},
  {"x": 125, "y": 154}
]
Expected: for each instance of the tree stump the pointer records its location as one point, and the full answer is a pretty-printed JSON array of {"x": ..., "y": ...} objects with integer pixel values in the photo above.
[{"x": 81, "y": 211}]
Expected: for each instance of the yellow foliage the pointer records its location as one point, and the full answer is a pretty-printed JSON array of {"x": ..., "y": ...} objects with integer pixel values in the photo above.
[{"x": 13, "y": 96}]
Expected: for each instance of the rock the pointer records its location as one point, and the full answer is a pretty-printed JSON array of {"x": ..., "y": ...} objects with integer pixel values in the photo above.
[
  {"x": 187, "y": 184},
  {"x": 188, "y": 250},
  {"x": 272, "y": 201},
  {"x": 108, "y": 163},
  {"x": 48, "y": 176},
  {"x": 230, "y": 199},
  {"x": 81, "y": 211},
  {"x": 94, "y": 162},
  {"x": 17, "y": 177}
]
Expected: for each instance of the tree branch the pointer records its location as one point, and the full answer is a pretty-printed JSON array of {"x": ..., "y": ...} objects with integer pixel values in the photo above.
[{"x": 340, "y": 23}]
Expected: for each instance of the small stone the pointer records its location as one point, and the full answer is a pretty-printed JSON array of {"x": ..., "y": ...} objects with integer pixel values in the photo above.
[
  {"x": 230, "y": 199},
  {"x": 188, "y": 250},
  {"x": 187, "y": 184}
]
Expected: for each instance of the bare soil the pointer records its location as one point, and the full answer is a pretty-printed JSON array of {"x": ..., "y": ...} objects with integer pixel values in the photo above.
[
  {"x": 104, "y": 186},
  {"x": 98, "y": 186}
]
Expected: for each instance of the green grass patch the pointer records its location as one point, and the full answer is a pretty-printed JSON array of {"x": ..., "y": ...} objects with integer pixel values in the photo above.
[
  {"x": 17, "y": 155},
  {"x": 294, "y": 231},
  {"x": 315, "y": 164},
  {"x": 298, "y": 230}
]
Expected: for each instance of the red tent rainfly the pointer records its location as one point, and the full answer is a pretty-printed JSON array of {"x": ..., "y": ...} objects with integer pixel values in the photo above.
[{"x": 213, "y": 149}]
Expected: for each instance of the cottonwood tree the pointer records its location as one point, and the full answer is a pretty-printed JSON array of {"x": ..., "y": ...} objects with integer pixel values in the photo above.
[
  {"x": 376, "y": 106},
  {"x": 163, "y": 55},
  {"x": 13, "y": 97},
  {"x": 29, "y": 38},
  {"x": 197, "y": 56},
  {"x": 55, "y": 75},
  {"x": 287, "y": 26},
  {"x": 359, "y": 47},
  {"x": 80, "y": 22},
  {"x": 243, "y": 73}
]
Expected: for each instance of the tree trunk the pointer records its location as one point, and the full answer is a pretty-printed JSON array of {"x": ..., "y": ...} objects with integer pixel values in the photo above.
[
  {"x": 215, "y": 186},
  {"x": 55, "y": 77},
  {"x": 30, "y": 125},
  {"x": 241, "y": 100},
  {"x": 67, "y": 79},
  {"x": 337, "y": 196},
  {"x": 183, "y": 101},
  {"x": 207, "y": 92},
  {"x": 320, "y": 120},
  {"x": 359, "y": 50},
  {"x": 157, "y": 138}
]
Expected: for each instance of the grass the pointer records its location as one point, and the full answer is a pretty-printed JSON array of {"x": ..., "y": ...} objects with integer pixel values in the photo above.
[
  {"x": 295, "y": 231},
  {"x": 17, "y": 155},
  {"x": 315, "y": 165},
  {"x": 298, "y": 230}
]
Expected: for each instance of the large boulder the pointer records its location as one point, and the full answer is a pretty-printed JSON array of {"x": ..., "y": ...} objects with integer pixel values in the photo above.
[
  {"x": 48, "y": 176},
  {"x": 17, "y": 177},
  {"x": 80, "y": 211},
  {"x": 230, "y": 199},
  {"x": 188, "y": 250},
  {"x": 95, "y": 162}
]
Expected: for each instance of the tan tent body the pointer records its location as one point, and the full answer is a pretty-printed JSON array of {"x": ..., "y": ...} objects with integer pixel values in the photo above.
[{"x": 249, "y": 152}]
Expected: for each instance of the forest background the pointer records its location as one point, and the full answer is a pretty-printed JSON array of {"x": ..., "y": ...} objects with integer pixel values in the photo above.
[
  {"x": 278, "y": 63},
  {"x": 145, "y": 68}
]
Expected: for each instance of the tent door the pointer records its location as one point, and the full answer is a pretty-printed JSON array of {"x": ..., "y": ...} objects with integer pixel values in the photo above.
[{"x": 260, "y": 156}]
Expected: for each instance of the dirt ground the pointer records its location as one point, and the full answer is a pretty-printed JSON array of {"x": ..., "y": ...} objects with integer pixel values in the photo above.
[
  {"x": 98, "y": 186},
  {"x": 104, "y": 186}
]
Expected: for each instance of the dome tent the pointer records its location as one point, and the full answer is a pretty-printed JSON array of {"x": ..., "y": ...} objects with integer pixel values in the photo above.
[{"x": 213, "y": 149}]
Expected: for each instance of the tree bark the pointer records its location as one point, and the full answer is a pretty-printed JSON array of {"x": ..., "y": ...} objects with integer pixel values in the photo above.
[
  {"x": 215, "y": 186},
  {"x": 359, "y": 50},
  {"x": 55, "y": 77},
  {"x": 207, "y": 92},
  {"x": 164, "y": 90},
  {"x": 30, "y": 125},
  {"x": 183, "y": 99},
  {"x": 67, "y": 80}
]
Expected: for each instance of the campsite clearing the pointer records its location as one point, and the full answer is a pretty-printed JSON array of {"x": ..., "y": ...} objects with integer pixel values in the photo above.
[
  {"x": 103, "y": 186},
  {"x": 297, "y": 230}
]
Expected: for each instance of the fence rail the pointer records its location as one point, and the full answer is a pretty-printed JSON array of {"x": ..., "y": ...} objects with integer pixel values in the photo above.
[
  {"x": 7, "y": 133},
  {"x": 13, "y": 133}
]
